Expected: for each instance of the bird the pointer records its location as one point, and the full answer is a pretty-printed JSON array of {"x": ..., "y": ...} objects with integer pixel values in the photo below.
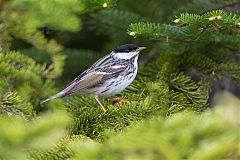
[{"x": 107, "y": 77}]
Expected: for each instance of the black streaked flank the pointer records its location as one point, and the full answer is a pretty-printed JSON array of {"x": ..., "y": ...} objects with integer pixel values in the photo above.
[
  {"x": 110, "y": 84},
  {"x": 128, "y": 73},
  {"x": 105, "y": 90}
]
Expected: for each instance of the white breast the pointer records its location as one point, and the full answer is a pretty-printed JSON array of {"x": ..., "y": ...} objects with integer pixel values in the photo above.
[{"x": 118, "y": 84}]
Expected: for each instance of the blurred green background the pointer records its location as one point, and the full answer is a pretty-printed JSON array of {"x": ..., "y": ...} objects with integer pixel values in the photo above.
[{"x": 184, "y": 103}]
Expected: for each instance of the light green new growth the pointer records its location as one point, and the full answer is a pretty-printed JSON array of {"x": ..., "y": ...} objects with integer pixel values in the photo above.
[{"x": 46, "y": 44}]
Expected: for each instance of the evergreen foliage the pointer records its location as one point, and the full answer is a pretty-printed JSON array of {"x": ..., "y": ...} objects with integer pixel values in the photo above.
[
  {"x": 21, "y": 84},
  {"x": 19, "y": 136},
  {"x": 45, "y": 44},
  {"x": 185, "y": 135},
  {"x": 182, "y": 136}
]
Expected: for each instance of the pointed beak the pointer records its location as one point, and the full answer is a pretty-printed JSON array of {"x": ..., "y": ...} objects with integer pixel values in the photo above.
[{"x": 141, "y": 48}]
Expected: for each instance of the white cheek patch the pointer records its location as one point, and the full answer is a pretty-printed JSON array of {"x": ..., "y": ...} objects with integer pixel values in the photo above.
[{"x": 126, "y": 55}]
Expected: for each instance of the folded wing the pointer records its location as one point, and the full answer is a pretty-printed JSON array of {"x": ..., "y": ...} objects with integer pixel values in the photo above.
[{"x": 90, "y": 79}]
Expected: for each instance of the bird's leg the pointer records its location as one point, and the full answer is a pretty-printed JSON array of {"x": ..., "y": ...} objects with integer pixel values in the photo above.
[
  {"x": 120, "y": 100},
  {"x": 104, "y": 110}
]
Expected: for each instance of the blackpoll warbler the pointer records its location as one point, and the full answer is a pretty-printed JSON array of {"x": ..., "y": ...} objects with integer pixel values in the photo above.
[{"x": 108, "y": 76}]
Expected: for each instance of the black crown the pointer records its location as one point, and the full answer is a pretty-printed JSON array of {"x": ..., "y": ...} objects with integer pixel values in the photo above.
[{"x": 126, "y": 48}]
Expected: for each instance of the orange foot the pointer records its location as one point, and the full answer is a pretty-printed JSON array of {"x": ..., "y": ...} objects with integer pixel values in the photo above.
[{"x": 119, "y": 100}]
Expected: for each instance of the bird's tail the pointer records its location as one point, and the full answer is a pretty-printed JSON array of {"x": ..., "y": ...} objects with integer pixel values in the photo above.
[
  {"x": 60, "y": 94},
  {"x": 63, "y": 93}
]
